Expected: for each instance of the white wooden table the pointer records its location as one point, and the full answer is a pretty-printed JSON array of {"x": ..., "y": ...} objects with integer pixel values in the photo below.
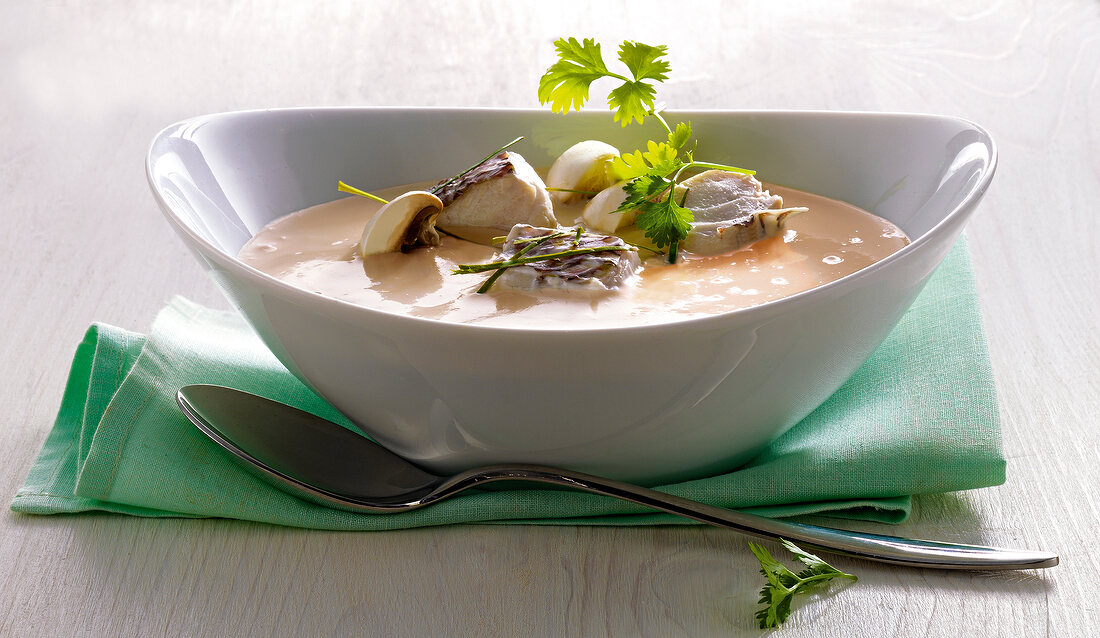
[{"x": 83, "y": 89}]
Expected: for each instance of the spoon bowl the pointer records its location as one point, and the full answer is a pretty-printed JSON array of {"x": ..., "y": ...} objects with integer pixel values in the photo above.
[{"x": 328, "y": 464}]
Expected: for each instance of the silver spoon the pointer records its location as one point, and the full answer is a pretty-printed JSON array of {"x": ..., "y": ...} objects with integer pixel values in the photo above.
[{"x": 325, "y": 463}]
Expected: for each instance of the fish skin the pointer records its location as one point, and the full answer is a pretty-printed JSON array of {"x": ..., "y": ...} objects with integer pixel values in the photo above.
[
  {"x": 500, "y": 193},
  {"x": 595, "y": 271},
  {"x": 731, "y": 210}
]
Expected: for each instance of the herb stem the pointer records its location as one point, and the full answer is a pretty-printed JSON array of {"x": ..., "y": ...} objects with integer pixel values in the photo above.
[
  {"x": 517, "y": 260},
  {"x": 611, "y": 74},
  {"x": 660, "y": 119},
  {"x": 570, "y": 190},
  {"x": 344, "y": 188},
  {"x": 672, "y": 248},
  {"x": 721, "y": 167},
  {"x": 538, "y": 240},
  {"x": 526, "y": 249},
  {"x": 437, "y": 188}
]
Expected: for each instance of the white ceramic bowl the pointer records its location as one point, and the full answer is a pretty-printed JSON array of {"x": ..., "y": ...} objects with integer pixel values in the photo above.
[{"x": 645, "y": 403}]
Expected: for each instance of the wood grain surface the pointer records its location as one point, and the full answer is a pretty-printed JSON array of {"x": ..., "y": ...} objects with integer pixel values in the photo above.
[{"x": 85, "y": 86}]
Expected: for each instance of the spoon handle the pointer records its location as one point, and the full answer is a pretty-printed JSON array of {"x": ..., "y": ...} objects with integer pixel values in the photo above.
[{"x": 884, "y": 549}]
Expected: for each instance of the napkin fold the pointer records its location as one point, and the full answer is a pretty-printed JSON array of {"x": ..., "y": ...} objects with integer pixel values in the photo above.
[{"x": 920, "y": 416}]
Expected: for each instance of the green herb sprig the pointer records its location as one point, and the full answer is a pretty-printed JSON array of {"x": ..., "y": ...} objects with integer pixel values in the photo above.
[
  {"x": 654, "y": 172},
  {"x": 783, "y": 584},
  {"x": 521, "y": 257}
]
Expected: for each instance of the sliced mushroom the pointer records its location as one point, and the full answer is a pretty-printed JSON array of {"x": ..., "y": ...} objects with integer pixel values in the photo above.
[
  {"x": 581, "y": 167},
  {"x": 404, "y": 223}
]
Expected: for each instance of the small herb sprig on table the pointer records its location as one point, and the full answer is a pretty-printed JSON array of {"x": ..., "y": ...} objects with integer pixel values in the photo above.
[
  {"x": 653, "y": 173},
  {"x": 783, "y": 584}
]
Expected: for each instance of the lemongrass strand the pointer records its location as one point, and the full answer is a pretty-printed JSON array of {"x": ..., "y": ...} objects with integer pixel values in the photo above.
[{"x": 345, "y": 188}]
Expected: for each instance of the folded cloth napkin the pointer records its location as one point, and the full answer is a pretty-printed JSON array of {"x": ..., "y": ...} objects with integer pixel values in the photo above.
[{"x": 919, "y": 417}]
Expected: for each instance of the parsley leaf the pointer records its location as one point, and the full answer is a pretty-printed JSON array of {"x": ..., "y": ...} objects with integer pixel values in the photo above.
[
  {"x": 644, "y": 61},
  {"x": 783, "y": 584},
  {"x": 680, "y": 136},
  {"x": 653, "y": 172},
  {"x": 565, "y": 84},
  {"x": 659, "y": 159},
  {"x": 632, "y": 101},
  {"x": 663, "y": 221}
]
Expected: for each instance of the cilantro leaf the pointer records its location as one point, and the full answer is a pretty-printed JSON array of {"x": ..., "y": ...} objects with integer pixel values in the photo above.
[
  {"x": 663, "y": 221},
  {"x": 652, "y": 172},
  {"x": 585, "y": 54},
  {"x": 632, "y": 101},
  {"x": 783, "y": 584},
  {"x": 644, "y": 61},
  {"x": 642, "y": 190},
  {"x": 658, "y": 159},
  {"x": 680, "y": 136},
  {"x": 815, "y": 565},
  {"x": 565, "y": 84}
]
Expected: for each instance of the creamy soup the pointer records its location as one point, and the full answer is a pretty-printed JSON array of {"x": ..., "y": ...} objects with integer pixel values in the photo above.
[{"x": 315, "y": 249}]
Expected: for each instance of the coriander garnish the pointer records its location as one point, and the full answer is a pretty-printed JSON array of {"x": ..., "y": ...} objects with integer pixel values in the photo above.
[
  {"x": 654, "y": 172},
  {"x": 783, "y": 584}
]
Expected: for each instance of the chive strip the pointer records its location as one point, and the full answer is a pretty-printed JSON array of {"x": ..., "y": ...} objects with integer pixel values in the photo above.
[
  {"x": 570, "y": 190},
  {"x": 721, "y": 167},
  {"x": 500, "y": 271},
  {"x": 435, "y": 189},
  {"x": 466, "y": 269}
]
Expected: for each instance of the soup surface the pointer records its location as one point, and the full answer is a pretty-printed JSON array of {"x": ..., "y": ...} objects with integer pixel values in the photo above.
[{"x": 315, "y": 249}]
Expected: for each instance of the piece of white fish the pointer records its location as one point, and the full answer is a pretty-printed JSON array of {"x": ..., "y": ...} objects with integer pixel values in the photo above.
[
  {"x": 730, "y": 210},
  {"x": 598, "y": 271},
  {"x": 493, "y": 197}
]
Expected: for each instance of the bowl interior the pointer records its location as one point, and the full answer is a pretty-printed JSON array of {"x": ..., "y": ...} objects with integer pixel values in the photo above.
[{"x": 226, "y": 176}]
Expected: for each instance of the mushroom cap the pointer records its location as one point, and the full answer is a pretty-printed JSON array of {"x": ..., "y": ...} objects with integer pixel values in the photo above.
[
  {"x": 599, "y": 214},
  {"x": 406, "y": 221},
  {"x": 583, "y": 167}
]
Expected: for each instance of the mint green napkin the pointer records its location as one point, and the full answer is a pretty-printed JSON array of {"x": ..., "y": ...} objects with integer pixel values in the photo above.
[{"x": 919, "y": 417}]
